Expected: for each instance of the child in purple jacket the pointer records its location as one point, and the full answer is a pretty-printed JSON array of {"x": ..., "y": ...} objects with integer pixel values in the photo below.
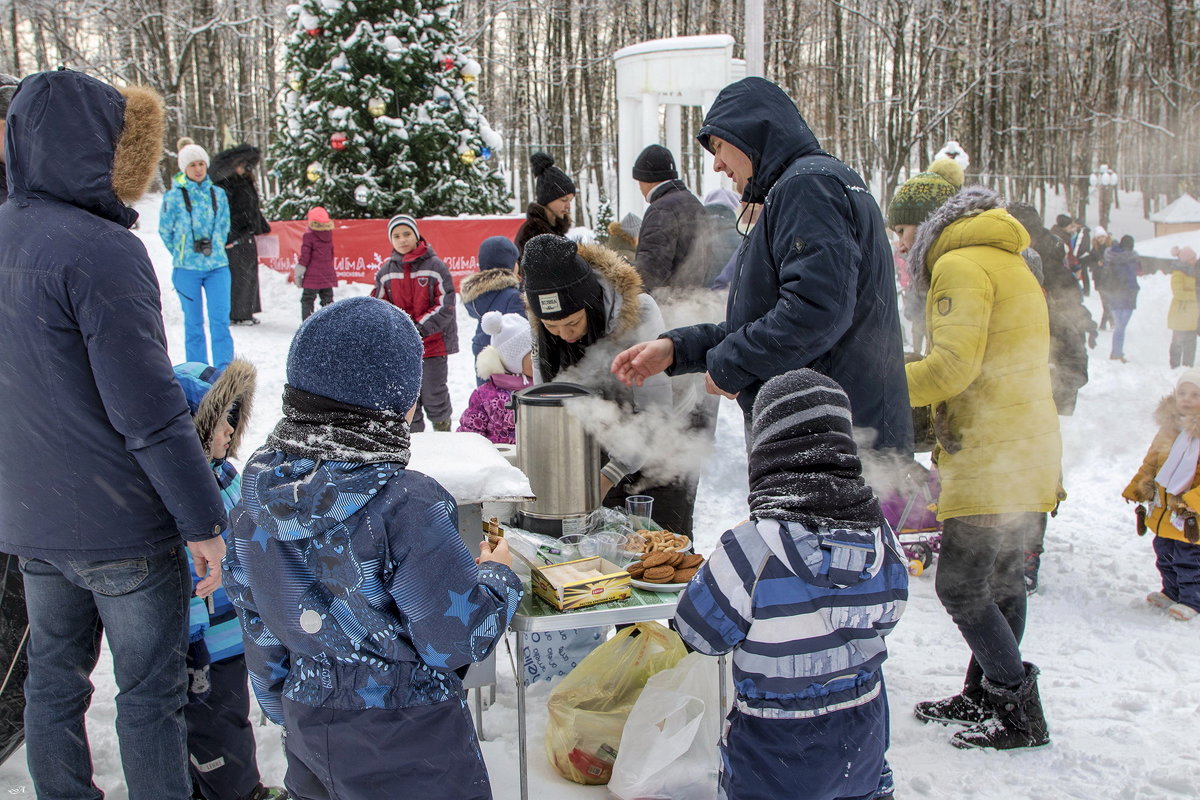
[
  {"x": 314, "y": 271},
  {"x": 505, "y": 366}
]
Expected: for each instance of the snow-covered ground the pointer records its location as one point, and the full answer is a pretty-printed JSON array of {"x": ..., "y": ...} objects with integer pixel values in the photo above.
[{"x": 1119, "y": 679}]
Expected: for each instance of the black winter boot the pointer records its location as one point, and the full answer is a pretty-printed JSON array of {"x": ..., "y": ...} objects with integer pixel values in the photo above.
[
  {"x": 969, "y": 707},
  {"x": 1018, "y": 720}
]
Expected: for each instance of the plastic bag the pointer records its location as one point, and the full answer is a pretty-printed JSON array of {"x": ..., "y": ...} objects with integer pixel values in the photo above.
[
  {"x": 669, "y": 746},
  {"x": 588, "y": 709}
]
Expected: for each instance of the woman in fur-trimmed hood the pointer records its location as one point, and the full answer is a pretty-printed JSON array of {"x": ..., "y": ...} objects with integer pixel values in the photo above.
[
  {"x": 1144, "y": 488},
  {"x": 998, "y": 452},
  {"x": 585, "y": 305},
  {"x": 986, "y": 374}
]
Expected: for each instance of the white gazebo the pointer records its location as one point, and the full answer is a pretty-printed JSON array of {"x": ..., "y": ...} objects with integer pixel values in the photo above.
[{"x": 655, "y": 80}]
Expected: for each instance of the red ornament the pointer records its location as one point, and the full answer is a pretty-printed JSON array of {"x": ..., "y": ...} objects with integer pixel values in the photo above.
[
  {"x": 314, "y": 31},
  {"x": 448, "y": 63},
  {"x": 338, "y": 141}
]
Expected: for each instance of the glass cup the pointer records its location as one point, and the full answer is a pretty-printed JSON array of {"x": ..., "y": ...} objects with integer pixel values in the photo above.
[
  {"x": 634, "y": 548},
  {"x": 639, "y": 505}
]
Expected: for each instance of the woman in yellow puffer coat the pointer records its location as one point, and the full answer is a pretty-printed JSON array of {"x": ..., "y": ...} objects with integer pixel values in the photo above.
[
  {"x": 987, "y": 377},
  {"x": 1181, "y": 316}
]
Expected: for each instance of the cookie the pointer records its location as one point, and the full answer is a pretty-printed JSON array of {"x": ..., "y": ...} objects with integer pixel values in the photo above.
[
  {"x": 684, "y": 575},
  {"x": 656, "y": 559},
  {"x": 636, "y": 569},
  {"x": 661, "y": 574},
  {"x": 691, "y": 561},
  {"x": 676, "y": 560}
]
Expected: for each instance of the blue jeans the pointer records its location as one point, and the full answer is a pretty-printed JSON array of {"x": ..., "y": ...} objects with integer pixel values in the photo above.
[
  {"x": 1120, "y": 322},
  {"x": 196, "y": 288},
  {"x": 140, "y": 605},
  {"x": 981, "y": 583}
]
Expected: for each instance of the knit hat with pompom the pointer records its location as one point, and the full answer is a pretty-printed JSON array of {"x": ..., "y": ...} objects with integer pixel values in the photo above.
[
  {"x": 511, "y": 336},
  {"x": 550, "y": 181},
  {"x": 925, "y": 192}
]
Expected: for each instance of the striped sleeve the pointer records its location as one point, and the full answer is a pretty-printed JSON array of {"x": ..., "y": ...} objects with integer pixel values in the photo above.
[{"x": 714, "y": 612}]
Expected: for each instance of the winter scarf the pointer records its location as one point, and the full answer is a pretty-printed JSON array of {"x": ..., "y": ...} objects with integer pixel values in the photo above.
[
  {"x": 804, "y": 463},
  {"x": 322, "y": 429}
]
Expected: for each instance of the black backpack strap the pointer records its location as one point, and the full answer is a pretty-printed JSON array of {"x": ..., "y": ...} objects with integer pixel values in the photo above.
[{"x": 187, "y": 199}]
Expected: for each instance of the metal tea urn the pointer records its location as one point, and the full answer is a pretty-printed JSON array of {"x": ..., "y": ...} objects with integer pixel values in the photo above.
[{"x": 560, "y": 458}]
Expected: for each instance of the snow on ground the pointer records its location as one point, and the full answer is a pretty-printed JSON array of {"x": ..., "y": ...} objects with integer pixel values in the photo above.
[{"x": 1118, "y": 678}]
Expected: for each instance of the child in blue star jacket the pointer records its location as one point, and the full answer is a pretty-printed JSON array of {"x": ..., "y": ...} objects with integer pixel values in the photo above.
[
  {"x": 358, "y": 599},
  {"x": 803, "y": 594}
]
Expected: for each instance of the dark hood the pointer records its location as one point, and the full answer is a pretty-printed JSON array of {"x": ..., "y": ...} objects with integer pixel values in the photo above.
[
  {"x": 61, "y": 142},
  {"x": 224, "y": 164},
  {"x": 758, "y": 118}
]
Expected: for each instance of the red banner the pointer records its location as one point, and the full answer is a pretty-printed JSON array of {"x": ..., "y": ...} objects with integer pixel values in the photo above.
[{"x": 361, "y": 245}]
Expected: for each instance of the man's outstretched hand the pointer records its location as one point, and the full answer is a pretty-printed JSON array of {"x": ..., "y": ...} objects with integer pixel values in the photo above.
[{"x": 633, "y": 366}]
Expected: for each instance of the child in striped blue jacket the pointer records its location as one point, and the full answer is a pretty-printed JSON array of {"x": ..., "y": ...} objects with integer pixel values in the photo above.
[
  {"x": 220, "y": 738},
  {"x": 803, "y": 595}
]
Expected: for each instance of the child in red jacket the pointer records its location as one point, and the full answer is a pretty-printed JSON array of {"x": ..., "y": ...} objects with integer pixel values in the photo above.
[
  {"x": 417, "y": 282},
  {"x": 314, "y": 271}
]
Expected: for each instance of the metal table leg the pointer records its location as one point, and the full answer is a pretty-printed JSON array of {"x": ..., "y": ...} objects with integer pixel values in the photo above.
[
  {"x": 479, "y": 713},
  {"x": 521, "y": 748},
  {"x": 721, "y": 688}
]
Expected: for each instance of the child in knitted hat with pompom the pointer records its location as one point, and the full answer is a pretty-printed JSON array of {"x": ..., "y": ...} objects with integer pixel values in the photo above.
[{"x": 506, "y": 366}]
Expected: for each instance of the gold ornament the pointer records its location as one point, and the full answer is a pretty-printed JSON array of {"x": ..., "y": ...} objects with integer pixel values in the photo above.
[
  {"x": 314, "y": 172},
  {"x": 470, "y": 78},
  {"x": 296, "y": 84},
  {"x": 376, "y": 107},
  {"x": 467, "y": 157}
]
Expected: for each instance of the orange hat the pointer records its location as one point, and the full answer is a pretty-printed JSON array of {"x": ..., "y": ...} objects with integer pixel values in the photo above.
[{"x": 318, "y": 214}]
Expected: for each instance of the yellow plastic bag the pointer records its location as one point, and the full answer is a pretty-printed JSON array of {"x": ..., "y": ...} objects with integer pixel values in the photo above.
[{"x": 589, "y": 707}]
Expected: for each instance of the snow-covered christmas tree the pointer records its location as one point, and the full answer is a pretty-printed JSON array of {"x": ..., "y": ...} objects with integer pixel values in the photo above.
[{"x": 381, "y": 117}]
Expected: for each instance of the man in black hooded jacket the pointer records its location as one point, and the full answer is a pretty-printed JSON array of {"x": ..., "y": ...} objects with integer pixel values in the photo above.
[{"x": 814, "y": 284}]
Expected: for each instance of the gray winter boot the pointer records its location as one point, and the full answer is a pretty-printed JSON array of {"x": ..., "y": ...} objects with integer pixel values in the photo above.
[{"x": 1018, "y": 719}]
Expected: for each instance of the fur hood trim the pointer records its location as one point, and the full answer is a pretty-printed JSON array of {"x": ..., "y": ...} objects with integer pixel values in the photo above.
[
  {"x": 489, "y": 280},
  {"x": 321, "y": 226},
  {"x": 616, "y": 229},
  {"x": 140, "y": 144},
  {"x": 488, "y": 363},
  {"x": 968, "y": 202},
  {"x": 621, "y": 283},
  {"x": 235, "y": 385},
  {"x": 540, "y": 213},
  {"x": 1170, "y": 418}
]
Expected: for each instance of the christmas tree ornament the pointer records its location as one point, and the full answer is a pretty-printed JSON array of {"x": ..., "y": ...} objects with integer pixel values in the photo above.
[
  {"x": 442, "y": 97},
  {"x": 341, "y": 64},
  {"x": 467, "y": 157},
  {"x": 448, "y": 63},
  {"x": 360, "y": 194},
  {"x": 470, "y": 71},
  {"x": 314, "y": 31},
  {"x": 376, "y": 107},
  {"x": 314, "y": 172},
  {"x": 485, "y": 153},
  {"x": 296, "y": 84},
  {"x": 338, "y": 141}
]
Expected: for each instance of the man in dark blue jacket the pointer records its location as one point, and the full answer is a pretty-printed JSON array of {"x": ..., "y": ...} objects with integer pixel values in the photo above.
[
  {"x": 813, "y": 286},
  {"x": 673, "y": 248},
  {"x": 100, "y": 470}
]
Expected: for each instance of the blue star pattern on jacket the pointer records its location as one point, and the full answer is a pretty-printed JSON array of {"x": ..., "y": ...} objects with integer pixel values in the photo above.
[{"x": 354, "y": 587}]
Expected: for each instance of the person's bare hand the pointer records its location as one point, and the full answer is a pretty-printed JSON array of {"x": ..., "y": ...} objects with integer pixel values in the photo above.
[
  {"x": 497, "y": 552},
  {"x": 711, "y": 387},
  {"x": 605, "y": 486},
  {"x": 633, "y": 366},
  {"x": 206, "y": 558}
]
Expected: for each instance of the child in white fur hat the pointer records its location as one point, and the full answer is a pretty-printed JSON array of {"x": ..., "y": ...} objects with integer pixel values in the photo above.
[
  {"x": 1168, "y": 483},
  {"x": 505, "y": 366}
]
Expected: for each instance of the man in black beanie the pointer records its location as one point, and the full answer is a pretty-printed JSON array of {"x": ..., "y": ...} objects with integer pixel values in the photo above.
[
  {"x": 550, "y": 212},
  {"x": 672, "y": 250}
]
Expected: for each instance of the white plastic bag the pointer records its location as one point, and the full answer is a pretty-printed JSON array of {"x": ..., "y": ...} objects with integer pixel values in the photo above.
[{"x": 669, "y": 746}]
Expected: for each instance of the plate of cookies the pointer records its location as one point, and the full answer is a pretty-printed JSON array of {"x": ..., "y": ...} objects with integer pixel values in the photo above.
[{"x": 663, "y": 571}]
